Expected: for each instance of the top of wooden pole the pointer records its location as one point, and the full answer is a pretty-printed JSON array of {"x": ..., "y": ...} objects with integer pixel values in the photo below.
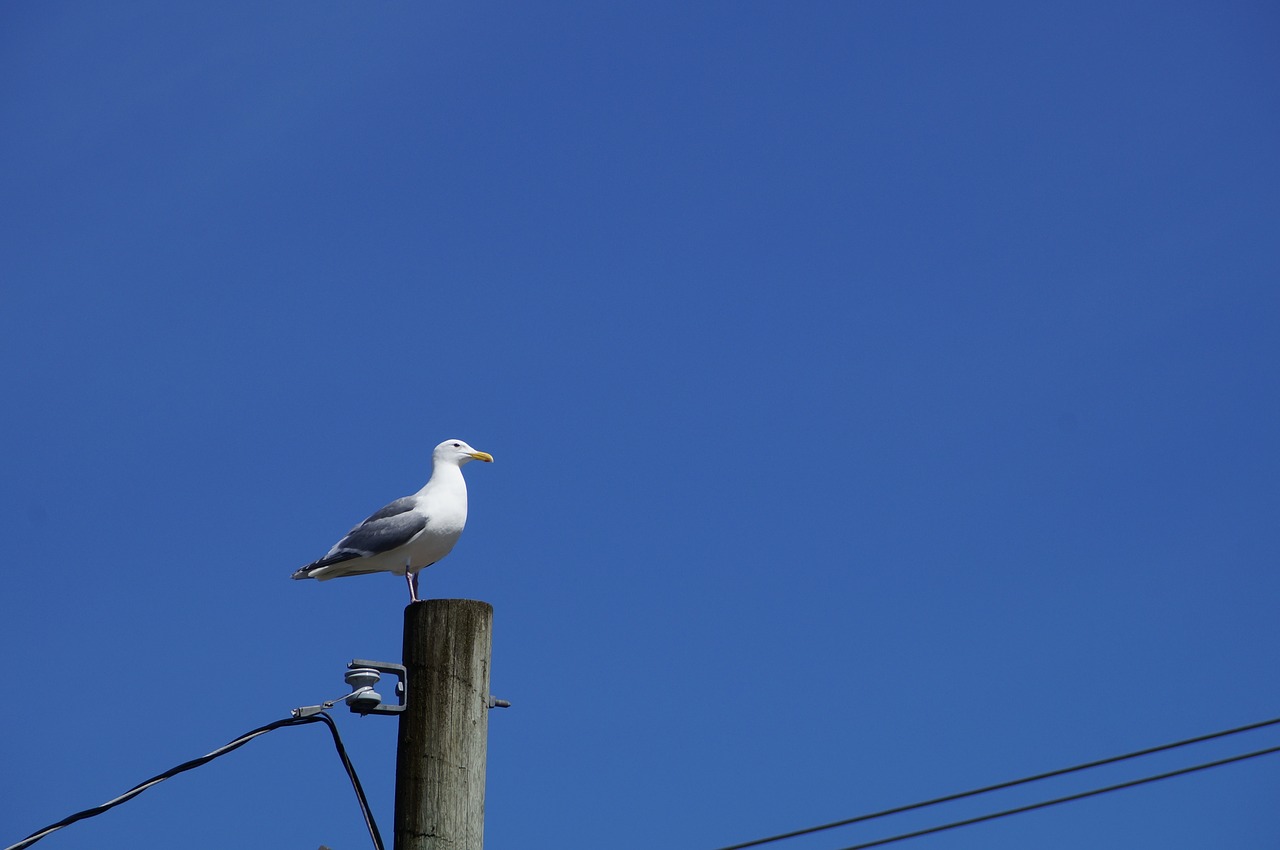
[{"x": 443, "y": 742}]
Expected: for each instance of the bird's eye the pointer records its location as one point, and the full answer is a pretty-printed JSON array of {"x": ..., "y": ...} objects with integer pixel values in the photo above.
[{"x": 457, "y": 445}]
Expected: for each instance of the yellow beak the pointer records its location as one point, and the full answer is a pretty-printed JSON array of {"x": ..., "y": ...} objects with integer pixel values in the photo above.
[{"x": 484, "y": 456}]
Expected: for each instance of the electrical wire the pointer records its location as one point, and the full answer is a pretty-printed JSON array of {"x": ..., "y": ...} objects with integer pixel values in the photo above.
[
  {"x": 205, "y": 759},
  {"x": 355, "y": 781},
  {"x": 999, "y": 786},
  {"x": 1067, "y": 799}
]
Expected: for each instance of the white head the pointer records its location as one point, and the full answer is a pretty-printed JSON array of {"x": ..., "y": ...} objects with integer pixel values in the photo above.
[{"x": 457, "y": 452}]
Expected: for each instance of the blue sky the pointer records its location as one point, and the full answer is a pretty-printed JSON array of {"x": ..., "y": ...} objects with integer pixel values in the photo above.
[{"x": 884, "y": 399}]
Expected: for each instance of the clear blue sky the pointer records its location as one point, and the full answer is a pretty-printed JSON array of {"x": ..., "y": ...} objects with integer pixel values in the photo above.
[{"x": 884, "y": 398}]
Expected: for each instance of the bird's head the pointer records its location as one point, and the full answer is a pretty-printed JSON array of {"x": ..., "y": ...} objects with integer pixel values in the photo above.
[{"x": 456, "y": 451}]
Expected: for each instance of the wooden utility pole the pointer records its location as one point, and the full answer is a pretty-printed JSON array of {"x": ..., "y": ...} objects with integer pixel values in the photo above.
[{"x": 444, "y": 729}]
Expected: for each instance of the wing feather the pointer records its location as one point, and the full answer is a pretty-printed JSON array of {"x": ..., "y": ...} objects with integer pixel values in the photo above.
[{"x": 390, "y": 528}]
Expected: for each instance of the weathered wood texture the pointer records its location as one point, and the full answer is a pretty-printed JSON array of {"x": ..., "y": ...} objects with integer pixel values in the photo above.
[{"x": 443, "y": 742}]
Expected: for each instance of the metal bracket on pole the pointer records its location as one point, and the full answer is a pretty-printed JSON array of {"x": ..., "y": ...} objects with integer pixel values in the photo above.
[{"x": 364, "y": 673}]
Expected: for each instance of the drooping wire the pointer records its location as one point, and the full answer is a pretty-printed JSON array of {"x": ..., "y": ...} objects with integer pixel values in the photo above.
[
  {"x": 205, "y": 759},
  {"x": 880, "y": 842},
  {"x": 355, "y": 781},
  {"x": 999, "y": 786}
]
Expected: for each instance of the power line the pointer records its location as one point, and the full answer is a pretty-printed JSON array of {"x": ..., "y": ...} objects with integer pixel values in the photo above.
[
  {"x": 205, "y": 759},
  {"x": 355, "y": 780},
  {"x": 1003, "y": 785},
  {"x": 1067, "y": 799}
]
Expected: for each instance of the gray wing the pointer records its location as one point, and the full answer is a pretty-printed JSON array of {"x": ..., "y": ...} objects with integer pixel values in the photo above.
[{"x": 390, "y": 528}]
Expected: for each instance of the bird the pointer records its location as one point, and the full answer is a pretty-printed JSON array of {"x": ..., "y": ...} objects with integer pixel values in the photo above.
[{"x": 411, "y": 533}]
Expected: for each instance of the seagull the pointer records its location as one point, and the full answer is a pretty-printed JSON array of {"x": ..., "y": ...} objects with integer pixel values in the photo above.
[{"x": 411, "y": 533}]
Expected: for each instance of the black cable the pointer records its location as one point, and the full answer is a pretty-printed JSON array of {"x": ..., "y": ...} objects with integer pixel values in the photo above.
[
  {"x": 1069, "y": 798},
  {"x": 139, "y": 788},
  {"x": 355, "y": 781},
  {"x": 999, "y": 786},
  {"x": 205, "y": 759}
]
